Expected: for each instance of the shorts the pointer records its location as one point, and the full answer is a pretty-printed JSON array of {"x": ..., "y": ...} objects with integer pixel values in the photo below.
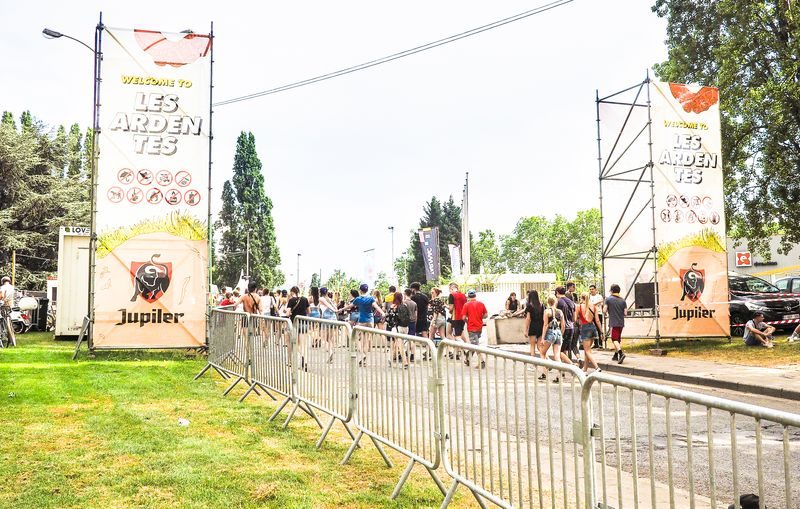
[
  {"x": 752, "y": 341},
  {"x": 379, "y": 319},
  {"x": 458, "y": 327},
  {"x": 535, "y": 330},
  {"x": 354, "y": 317},
  {"x": 616, "y": 334},
  {"x": 328, "y": 315},
  {"x": 422, "y": 326},
  {"x": 475, "y": 337},
  {"x": 401, "y": 330},
  {"x": 314, "y": 313},
  {"x": 412, "y": 328},
  {"x": 365, "y": 324},
  {"x": 554, "y": 336},
  {"x": 439, "y": 322},
  {"x": 588, "y": 331}
]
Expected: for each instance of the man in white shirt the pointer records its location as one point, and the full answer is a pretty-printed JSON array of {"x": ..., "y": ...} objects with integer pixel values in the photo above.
[
  {"x": 596, "y": 300},
  {"x": 6, "y": 301}
]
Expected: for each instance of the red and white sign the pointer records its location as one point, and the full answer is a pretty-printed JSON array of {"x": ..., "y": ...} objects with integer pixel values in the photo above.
[{"x": 744, "y": 259}]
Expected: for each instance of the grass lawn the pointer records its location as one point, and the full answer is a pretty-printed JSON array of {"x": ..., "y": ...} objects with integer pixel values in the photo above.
[
  {"x": 104, "y": 432},
  {"x": 720, "y": 350}
]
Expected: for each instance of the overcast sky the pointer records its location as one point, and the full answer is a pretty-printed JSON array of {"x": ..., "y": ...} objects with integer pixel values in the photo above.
[{"x": 346, "y": 158}]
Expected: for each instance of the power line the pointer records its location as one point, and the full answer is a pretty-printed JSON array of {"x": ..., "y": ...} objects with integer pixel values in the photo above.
[{"x": 395, "y": 56}]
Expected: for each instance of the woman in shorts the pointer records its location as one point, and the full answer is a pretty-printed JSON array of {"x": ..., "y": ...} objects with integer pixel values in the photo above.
[
  {"x": 589, "y": 323},
  {"x": 328, "y": 309},
  {"x": 553, "y": 332},
  {"x": 439, "y": 319},
  {"x": 534, "y": 321},
  {"x": 379, "y": 320}
]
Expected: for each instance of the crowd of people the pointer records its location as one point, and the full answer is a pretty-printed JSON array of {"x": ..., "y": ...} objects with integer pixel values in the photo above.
[{"x": 559, "y": 326}]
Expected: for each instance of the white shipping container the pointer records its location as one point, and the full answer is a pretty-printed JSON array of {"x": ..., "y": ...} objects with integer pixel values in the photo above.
[{"x": 73, "y": 280}]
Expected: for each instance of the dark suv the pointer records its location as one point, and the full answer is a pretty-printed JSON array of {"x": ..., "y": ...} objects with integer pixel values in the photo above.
[{"x": 750, "y": 294}]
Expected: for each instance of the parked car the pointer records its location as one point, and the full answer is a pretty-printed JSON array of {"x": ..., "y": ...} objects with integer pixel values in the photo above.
[
  {"x": 750, "y": 294},
  {"x": 789, "y": 284}
]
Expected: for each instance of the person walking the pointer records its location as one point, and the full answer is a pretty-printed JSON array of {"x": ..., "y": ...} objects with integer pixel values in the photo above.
[
  {"x": 412, "y": 326},
  {"x": 439, "y": 320},
  {"x": 596, "y": 300},
  {"x": 534, "y": 321},
  {"x": 297, "y": 305},
  {"x": 553, "y": 328},
  {"x": 250, "y": 301},
  {"x": 589, "y": 324},
  {"x": 353, "y": 318},
  {"x": 422, "y": 302},
  {"x": 567, "y": 307},
  {"x": 401, "y": 310},
  {"x": 328, "y": 309},
  {"x": 617, "y": 309},
  {"x": 380, "y": 321},
  {"x": 367, "y": 308},
  {"x": 474, "y": 312},
  {"x": 456, "y": 302}
]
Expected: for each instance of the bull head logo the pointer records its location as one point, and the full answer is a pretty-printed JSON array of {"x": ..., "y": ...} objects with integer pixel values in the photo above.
[
  {"x": 693, "y": 282},
  {"x": 150, "y": 279}
]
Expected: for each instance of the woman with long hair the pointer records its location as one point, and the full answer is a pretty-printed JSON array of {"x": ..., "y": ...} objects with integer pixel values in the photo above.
[
  {"x": 403, "y": 319},
  {"x": 298, "y": 306},
  {"x": 328, "y": 313},
  {"x": 439, "y": 319},
  {"x": 589, "y": 323},
  {"x": 314, "y": 311},
  {"x": 534, "y": 321},
  {"x": 512, "y": 304},
  {"x": 553, "y": 332},
  {"x": 380, "y": 320},
  {"x": 353, "y": 319}
]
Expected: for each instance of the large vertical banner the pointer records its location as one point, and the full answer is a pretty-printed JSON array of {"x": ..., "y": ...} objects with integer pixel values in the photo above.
[
  {"x": 455, "y": 259},
  {"x": 690, "y": 217},
  {"x": 152, "y": 190},
  {"x": 429, "y": 243}
]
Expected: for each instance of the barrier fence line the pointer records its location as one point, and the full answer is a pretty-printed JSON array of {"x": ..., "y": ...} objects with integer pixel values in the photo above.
[
  {"x": 510, "y": 437},
  {"x": 228, "y": 352},
  {"x": 271, "y": 347},
  {"x": 688, "y": 437},
  {"x": 398, "y": 399},
  {"x": 497, "y": 413},
  {"x": 326, "y": 363}
]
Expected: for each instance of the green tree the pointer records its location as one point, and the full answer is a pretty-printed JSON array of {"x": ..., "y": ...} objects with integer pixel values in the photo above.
[
  {"x": 246, "y": 207},
  {"x": 382, "y": 283},
  {"x": 750, "y": 51},
  {"x": 486, "y": 253},
  {"x": 74, "y": 152},
  {"x": 342, "y": 283},
  {"x": 529, "y": 247},
  {"x": 88, "y": 154},
  {"x": 315, "y": 280},
  {"x": 447, "y": 217},
  {"x": 8, "y": 119},
  {"x": 35, "y": 199}
]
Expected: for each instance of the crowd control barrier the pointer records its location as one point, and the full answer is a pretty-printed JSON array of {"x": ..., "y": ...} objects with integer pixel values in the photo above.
[
  {"x": 509, "y": 434},
  {"x": 398, "y": 404},
  {"x": 658, "y": 446},
  {"x": 324, "y": 358},
  {"x": 227, "y": 348},
  {"x": 516, "y": 431}
]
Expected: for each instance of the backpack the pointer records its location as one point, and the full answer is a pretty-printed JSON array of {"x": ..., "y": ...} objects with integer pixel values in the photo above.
[
  {"x": 403, "y": 315},
  {"x": 555, "y": 320}
]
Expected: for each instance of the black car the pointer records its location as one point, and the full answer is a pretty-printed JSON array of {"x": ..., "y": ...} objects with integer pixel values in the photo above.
[{"x": 750, "y": 294}]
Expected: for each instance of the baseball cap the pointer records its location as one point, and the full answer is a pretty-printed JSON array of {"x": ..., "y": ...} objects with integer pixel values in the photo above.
[
  {"x": 364, "y": 287},
  {"x": 471, "y": 293}
]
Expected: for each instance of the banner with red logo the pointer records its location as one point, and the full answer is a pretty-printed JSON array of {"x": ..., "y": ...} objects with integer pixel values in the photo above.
[
  {"x": 689, "y": 211},
  {"x": 151, "y": 257}
]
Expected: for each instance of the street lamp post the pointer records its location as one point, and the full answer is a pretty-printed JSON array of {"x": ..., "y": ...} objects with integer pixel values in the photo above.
[
  {"x": 394, "y": 276},
  {"x": 247, "y": 256},
  {"x": 298, "y": 269}
]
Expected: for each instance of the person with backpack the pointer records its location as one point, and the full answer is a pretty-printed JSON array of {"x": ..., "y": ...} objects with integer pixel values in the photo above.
[
  {"x": 589, "y": 322},
  {"x": 553, "y": 327},
  {"x": 403, "y": 313}
]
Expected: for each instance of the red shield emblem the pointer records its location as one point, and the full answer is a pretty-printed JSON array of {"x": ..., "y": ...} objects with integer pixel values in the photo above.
[
  {"x": 693, "y": 281},
  {"x": 150, "y": 279}
]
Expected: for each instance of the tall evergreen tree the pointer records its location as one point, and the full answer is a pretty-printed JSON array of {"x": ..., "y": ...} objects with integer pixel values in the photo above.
[
  {"x": 88, "y": 154},
  {"x": 246, "y": 207},
  {"x": 74, "y": 152},
  {"x": 8, "y": 119},
  {"x": 447, "y": 217}
]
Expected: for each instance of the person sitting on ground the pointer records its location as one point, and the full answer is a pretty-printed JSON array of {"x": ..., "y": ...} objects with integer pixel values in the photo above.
[{"x": 758, "y": 333}]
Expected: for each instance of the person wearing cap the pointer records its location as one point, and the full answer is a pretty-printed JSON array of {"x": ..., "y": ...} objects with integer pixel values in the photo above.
[
  {"x": 758, "y": 333},
  {"x": 474, "y": 313},
  {"x": 367, "y": 307}
]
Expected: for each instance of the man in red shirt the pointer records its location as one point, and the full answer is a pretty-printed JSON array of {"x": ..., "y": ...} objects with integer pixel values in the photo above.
[
  {"x": 456, "y": 303},
  {"x": 474, "y": 312}
]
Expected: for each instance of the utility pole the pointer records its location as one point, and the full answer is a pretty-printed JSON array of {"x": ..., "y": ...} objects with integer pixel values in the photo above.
[
  {"x": 465, "y": 245},
  {"x": 14, "y": 267},
  {"x": 298, "y": 269},
  {"x": 247, "y": 256}
]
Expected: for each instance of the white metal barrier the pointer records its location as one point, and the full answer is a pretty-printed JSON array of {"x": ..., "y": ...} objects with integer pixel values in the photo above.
[
  {"x": 325, "y": 358},
  {"x": 511, "y": 438},
  {"x": 228, "y": 351},
  {"x": 509, "y": 434},
  {"x": 398, "y": 403},
  {"x": 659, "y": 446}
]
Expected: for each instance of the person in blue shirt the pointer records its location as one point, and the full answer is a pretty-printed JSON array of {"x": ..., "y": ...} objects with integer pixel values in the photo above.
[{"x": 367, "y": 308}]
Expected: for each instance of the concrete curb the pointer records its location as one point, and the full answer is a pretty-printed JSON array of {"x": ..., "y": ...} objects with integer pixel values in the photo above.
[{"x": 759, "y": 390}]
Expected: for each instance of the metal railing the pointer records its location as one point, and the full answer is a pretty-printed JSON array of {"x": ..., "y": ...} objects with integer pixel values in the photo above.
[
  {"x": 324, "y": 357},
  {"x": 659, "y": 446},
  {"x": 504, "y": 427},
  {"x": 509, "y": 422},
  {"x": 398, "y": 404}
]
